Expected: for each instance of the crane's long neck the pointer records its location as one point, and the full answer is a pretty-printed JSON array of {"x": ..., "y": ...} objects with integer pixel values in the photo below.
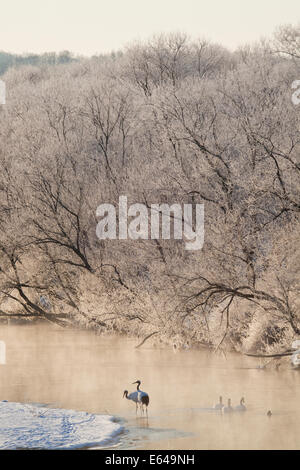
[{"x": 138, "y": 387}]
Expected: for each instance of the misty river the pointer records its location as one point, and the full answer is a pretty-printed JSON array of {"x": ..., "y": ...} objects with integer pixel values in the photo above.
[{"x": 79, "y": 370}]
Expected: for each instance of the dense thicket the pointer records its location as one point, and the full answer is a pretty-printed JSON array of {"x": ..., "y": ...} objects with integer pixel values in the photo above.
[{"x": 168, "y": 121}]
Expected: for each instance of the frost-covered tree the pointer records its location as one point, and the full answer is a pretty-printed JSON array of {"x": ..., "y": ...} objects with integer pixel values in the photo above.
[{"x": 169, "y": 120}]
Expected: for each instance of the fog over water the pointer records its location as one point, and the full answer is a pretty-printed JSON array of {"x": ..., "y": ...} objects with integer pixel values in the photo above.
[{"x": 79, "y": 370}]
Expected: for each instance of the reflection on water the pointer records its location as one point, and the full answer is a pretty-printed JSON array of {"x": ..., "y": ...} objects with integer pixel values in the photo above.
[{"x": 83, "y": 371}]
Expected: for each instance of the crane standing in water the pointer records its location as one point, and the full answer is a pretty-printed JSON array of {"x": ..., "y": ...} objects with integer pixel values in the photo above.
[
  {"x": 143, "y": 397},
  {"x": 133, "y": 397},
  {"x": 139, "y": 397}
]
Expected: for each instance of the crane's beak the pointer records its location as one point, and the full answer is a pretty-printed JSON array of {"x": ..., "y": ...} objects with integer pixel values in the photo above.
[{"x": 135, "y": 382}]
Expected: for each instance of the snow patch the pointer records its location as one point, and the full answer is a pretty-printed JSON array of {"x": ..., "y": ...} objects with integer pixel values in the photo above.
[{"x": 25, "y": 426}]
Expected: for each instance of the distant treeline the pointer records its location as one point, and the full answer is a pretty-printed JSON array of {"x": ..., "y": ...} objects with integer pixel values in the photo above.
[{"x": 8, "y": 60}]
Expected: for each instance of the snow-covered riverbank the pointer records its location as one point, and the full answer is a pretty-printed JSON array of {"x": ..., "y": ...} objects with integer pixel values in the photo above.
[{"x": 26, "y": 426}]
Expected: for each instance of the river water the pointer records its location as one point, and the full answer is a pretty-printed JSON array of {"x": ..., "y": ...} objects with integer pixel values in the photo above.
[{"x": 80, "y": 370}]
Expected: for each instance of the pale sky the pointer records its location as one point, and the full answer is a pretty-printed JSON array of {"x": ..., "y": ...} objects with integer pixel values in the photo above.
[{"x": 94, "y": 26}]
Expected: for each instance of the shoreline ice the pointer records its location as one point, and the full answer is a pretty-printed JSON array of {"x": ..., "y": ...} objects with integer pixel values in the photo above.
[{"x": 27, "y": 426}]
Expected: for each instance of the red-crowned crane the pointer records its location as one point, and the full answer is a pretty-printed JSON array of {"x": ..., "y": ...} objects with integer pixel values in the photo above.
[
  {"x": 143, "y": 397},
  {"x": 133, "y": 397}
]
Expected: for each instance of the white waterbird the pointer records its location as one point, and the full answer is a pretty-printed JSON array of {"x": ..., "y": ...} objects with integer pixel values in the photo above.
[
  {"x": 133, "y": 397},
  {"x": 219, "y": 405},
  {"x": 241, "y": 406},
  {"x": 143, "y": 397},
  {"x": 228, "y": 408}
]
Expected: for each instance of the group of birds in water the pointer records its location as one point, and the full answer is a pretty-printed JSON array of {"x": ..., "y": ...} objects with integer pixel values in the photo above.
[
  {"x": 141, "y": 399},
  {"x": 229, "y": 408}
]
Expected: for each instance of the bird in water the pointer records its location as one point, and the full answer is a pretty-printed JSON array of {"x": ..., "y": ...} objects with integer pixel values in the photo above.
[
  {"x": 143, "y": 397},
  {"x": 269, "y": 414},
  {"x": 219, "y": 405},
  {"x": 228, "y": 408},
  {"x": 133, "y": 397},
  {"x": 241, "y": 406}
]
